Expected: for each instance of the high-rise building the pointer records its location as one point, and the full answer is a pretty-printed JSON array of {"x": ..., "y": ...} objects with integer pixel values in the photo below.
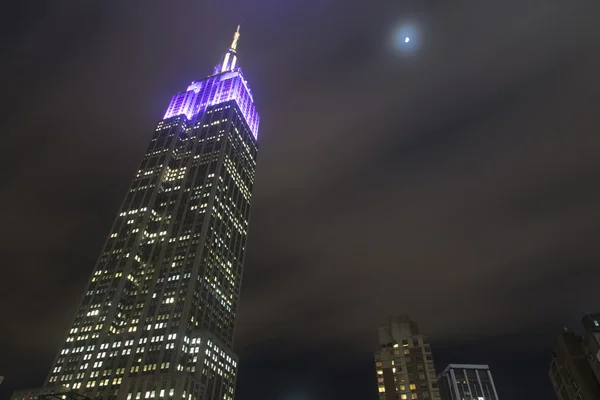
[
  {"x": 591, "y": 342},
  {"x": 570, "y": 372},
  {"x": 574, "y": 366},
  {"x": 404, "y": 362},
  {"x": 467, "y": 381},
  {"x": 157, "y": 318}
]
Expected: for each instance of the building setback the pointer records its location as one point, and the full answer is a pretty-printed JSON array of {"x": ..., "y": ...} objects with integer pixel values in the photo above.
[
  {"x": 467, "y": 381},
  {"x": 404, "y": 362},
  {"x": 157, "y": 317}
]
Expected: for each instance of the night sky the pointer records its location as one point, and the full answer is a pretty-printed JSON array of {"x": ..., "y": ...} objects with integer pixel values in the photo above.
[{"x": 455, "y": 179}]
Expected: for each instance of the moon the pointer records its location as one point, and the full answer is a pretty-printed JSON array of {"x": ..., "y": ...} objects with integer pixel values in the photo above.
[{"x": 405, "y": 37}]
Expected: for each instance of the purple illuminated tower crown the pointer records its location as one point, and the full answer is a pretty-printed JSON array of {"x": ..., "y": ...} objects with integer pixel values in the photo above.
[{"x": 226, "y": 83}]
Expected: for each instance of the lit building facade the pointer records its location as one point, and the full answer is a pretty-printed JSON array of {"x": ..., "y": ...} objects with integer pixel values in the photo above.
[
  {"x": 157, "y": 319},
  {"x": 404, "y": 362},
  {"x": 467, "y": 381}
]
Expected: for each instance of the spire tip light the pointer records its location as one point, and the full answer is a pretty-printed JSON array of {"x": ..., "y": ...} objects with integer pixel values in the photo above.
[{"x": 236, "y": 37}]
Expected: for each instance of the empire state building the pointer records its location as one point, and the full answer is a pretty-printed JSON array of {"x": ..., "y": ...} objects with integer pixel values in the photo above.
[{"x": 157, "y": 319}]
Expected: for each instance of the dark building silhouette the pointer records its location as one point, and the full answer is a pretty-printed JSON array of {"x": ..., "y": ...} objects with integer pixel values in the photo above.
[
  {"x": 157, "y": 318},
  {"x": 591, "y": 342},
  {"x": 571, "y": 373},
  {"x": 29, "y": 394}
]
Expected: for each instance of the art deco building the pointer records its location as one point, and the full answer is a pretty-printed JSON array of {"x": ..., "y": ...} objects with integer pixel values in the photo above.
[
  {"x": 157, "y": 318},
  {"x": 404, "y": 363},
  {"x": 467, "y": 381}
]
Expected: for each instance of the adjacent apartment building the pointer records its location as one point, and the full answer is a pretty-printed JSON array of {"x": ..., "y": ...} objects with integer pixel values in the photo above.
[
  {"x": 404, "y": 362},
  {"x": 467, "y": 381}
]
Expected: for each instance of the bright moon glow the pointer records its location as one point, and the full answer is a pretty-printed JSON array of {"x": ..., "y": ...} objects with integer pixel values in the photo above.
[{"x": 405, "y": 37}]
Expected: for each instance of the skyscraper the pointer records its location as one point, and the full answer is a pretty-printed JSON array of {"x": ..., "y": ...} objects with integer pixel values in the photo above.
[
  {"x": 591, "y": 342},
  {"x": 575, "y": 367},
  {"x": 404, "y": 362},
  {"x": 157, "y": 319},
  {"x": 570, "y": 373},
  {"x": 467, "y": 381}
]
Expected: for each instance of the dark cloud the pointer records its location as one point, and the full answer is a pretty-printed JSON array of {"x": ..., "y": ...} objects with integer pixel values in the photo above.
[{"x": 456, "y": 183}]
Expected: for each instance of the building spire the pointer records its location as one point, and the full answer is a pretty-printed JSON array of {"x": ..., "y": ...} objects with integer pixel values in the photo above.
[
  {"x": 236, "y": 37},
  {"x": 229, "y": 61}
]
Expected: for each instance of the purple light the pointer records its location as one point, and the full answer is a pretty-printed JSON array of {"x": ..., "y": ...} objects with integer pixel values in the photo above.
[{"x": 216, "y": 89}]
